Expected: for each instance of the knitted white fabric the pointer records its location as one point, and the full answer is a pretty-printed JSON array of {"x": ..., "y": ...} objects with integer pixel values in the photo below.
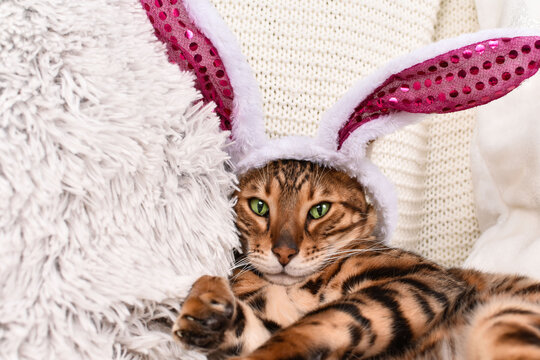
[
  {"x": 449, "y": 226},
  {"x": 307, "y": 53}
]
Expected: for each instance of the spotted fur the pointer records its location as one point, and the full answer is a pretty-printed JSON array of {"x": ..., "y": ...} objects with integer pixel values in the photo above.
[{"x": 325, "y": 288}]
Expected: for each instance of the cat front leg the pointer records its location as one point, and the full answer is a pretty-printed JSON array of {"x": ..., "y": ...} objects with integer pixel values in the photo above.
[
  {"x": 206, "y": 315},
  {"x": 388, "y": 318},
  {"x": 215, "y": 322},
  {"x": 329, "y": 333}
]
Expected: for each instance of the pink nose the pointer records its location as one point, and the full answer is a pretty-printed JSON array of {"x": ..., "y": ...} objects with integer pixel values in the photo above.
[{"x": 284, "y": 254}]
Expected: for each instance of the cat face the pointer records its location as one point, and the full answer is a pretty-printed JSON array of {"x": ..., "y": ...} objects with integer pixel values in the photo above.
[{"x": 295, "y": 216}]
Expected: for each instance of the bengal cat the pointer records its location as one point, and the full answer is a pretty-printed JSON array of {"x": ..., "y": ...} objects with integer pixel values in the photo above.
[{"x": 315, "y": 283}]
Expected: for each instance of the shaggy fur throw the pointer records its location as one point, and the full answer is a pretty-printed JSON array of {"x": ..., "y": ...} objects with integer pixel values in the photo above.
[{"x": 113, "y": 187}]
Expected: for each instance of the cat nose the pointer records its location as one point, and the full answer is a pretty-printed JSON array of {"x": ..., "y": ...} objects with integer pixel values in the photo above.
[{"x": 284, "y": 254}]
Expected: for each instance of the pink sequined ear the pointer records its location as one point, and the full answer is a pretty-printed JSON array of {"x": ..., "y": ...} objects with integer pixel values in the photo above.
[
  {"x": 457, "y": 80},
  {"x": 188, "y": 47}
]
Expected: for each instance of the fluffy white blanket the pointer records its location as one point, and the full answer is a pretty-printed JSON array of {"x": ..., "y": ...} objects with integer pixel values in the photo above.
[{"x": 113, "y": 189}]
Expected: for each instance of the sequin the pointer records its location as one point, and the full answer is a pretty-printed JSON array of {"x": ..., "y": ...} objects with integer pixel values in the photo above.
[
  {"x": 513, "y": 54},
  {"x": 227, "y": 92},
  {"x": 197, "y": 58},
  {"x": 168, "y": 28},
  {"x": 485, "y": 99},
  {"x": 220, "y": 73},
  {"x": 493, "y": 81},
  {"x": 432, "y": 68},
  {"x": 479, "y": 85},
  {"x": 442, "y": 96},
  {"x": 393, "y": 100},
  {"x": 454, "y": 59},
  {"x": 475, "y": 70},
  {"x": 467, "y": 54},
  {"x": 158, "y": 3},
  {"x": 446, "y": 109},
  {"x": 532, "y": 65},
  {"x": 467, "y": 89},
  {"x": 480, "y": 49},
  {"x": 404, "y": 87},
  {"x": 418, "y": 101},
  {"x": 173, "y": 2},
  {"x": 202, "y": 69},
  {"x": 146, "y": 7},
  {"x": 454, "y": 93},
  {"x": 461, "y": 74},
  {"x": 499, "y": 60},
  {"x": 421, "y": 73},
  {"x": 427, "y": 83},
  {"x": 381, "y": 94},
  {"x": 537, "y": 44},
  {"x": 217, "y": 63},
  {"x": 510, "y": 88},
  {"x": 417, "y": 85},
  {"x": 438, "y": 79},
  {"x": 520, "y": 70},
  {"x": 223, "y": 83},
  {"x": 506, "y": 39},
  {"x": 176, "y": 48},
  {"x": 162, "y": 15},
  {"x": 449, "y": 77},
  {"x": 151, "y": 18},
  {"x": 430, "y": 99},
  {"x": 176, "y": 13},
  {"x": 181, "y": 23},
  {"x": 526, "y": 49},
  {"x": 443, "y": 64},
  {"x": 193, "y": 46},
  {"x": 486, "y": 65},
  {"x": 499, "y": 93},
  {"x": 458, "y": 107},
  {"x": 506, "y": 76},
  {"x": 188, "y": 34},
  {"x": 493, "y": 44}
]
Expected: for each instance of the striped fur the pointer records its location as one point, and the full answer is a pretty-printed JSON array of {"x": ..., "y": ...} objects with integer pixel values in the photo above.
[{"x": 325, "y": 288}]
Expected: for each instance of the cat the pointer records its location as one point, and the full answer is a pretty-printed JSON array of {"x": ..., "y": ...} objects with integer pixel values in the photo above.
[{"x": 314, "y": 283}]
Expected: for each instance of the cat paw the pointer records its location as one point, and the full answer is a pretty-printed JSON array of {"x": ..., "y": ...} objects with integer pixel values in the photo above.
[{"x": 206, "y": 314}]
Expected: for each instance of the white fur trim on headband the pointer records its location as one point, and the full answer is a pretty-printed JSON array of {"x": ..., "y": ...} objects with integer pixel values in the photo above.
[{"x": 379, "y": 189}]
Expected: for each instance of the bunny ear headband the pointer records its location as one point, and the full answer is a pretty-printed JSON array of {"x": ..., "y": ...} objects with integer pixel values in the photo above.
[{"x": 448, "y": 76}]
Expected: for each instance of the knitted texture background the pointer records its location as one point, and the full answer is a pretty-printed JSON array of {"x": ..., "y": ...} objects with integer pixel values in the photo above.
[{"x": 307, "y": 53}]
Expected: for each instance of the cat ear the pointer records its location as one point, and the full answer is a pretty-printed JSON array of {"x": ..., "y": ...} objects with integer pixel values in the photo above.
[
  {"x": 199, "y": 41},
  {"x": 448, "y": 76}
]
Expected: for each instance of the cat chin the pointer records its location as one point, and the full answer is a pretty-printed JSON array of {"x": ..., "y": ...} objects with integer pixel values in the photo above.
[{"x": 283, "y": 279}]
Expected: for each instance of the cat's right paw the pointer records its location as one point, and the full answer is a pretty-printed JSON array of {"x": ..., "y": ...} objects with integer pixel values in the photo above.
[{"x": 206, "y": 314}]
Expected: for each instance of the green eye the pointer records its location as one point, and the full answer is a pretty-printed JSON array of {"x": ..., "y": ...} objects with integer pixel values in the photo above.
[
  {"x": 258, "y": 206},
  {"x": 319, "y": 210}
]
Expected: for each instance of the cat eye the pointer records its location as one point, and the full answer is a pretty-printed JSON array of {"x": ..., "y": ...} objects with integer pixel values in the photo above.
[
  {"x": 258, "y": 206},
  {"x": 319, "y": 210}
]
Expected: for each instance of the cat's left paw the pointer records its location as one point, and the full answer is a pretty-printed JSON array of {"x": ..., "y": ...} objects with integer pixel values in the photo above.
[{"x": 206, "y": 314}]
